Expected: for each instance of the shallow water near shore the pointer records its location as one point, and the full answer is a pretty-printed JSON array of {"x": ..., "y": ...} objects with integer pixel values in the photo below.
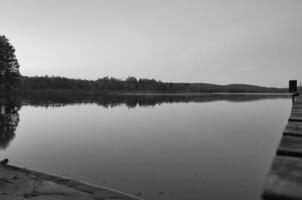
[{"x": 205, "y": 147}]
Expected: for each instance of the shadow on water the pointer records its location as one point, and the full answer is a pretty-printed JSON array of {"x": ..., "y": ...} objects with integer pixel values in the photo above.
[
  {"x": 9, "y": 119},
  {"x": 135, "y": 100}
]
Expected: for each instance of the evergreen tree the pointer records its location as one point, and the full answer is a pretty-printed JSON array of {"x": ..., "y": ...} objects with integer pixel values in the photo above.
[{"x": 9, "y": 66}]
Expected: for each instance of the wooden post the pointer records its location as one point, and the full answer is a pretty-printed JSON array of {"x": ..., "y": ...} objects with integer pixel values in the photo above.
[
  {"x": 293, "y": 89},
  {"x": 293, "y": 86}
]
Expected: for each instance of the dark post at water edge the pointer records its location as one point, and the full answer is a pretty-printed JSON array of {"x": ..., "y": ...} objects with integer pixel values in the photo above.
[
  {"x": 293, "y": 86},
  {"x": 293, "y": 89}
]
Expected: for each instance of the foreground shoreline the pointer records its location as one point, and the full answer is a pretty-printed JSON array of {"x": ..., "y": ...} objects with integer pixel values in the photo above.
[{"x": 18, "y": 183}]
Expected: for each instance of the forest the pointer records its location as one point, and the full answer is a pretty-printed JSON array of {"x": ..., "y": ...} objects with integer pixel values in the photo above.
[{"x": 132, "y": 84}]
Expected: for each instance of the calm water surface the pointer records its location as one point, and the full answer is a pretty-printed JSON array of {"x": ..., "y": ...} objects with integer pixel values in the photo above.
[{"x": 216, "y": 148}]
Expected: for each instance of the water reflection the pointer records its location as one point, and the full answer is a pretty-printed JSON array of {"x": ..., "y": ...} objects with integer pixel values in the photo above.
[
  {"x": 9, "y": 119},
  {"x": 185, "y": 151},
  {"x": 134, "y": 100}
]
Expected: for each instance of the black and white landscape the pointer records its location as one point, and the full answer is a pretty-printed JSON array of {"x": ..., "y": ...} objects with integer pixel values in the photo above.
[{"x": 155, "y": 100}]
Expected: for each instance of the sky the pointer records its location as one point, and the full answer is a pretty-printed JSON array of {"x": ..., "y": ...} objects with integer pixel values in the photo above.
[{"x": 236, "y": 41}]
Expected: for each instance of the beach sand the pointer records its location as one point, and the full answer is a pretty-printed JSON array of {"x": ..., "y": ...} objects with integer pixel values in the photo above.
[{"x": 20, "y": 183}]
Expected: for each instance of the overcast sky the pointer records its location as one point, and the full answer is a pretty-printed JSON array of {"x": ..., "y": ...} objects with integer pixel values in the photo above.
[{"x": 228, "y": 41}]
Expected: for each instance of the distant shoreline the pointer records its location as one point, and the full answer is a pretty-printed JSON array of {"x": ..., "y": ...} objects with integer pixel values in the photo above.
[
  {"x": 130, "y": 99},
  {"x": 133, "y": 93},
  {"x": 134, "y": 85}
]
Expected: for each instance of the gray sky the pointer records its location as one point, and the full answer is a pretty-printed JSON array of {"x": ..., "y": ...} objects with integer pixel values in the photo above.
[{"x": 228, "y": 41}]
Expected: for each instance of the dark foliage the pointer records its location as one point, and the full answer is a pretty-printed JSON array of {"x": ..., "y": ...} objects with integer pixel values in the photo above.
[
  {"x": 9, "y": 66},
  {"x": 131, "y": 85}
]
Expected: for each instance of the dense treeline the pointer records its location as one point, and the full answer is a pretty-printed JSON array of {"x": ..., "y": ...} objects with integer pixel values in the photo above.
[{"x": 131, "y": 84}]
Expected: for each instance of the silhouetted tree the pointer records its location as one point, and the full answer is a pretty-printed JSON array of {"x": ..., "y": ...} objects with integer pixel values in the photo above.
[
  {"x": 131, "y": 83},
  {"x": 9, "y": 66}
]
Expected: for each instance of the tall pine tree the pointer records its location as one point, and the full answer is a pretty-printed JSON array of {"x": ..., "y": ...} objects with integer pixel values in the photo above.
[{"x": 9, "y": 66}]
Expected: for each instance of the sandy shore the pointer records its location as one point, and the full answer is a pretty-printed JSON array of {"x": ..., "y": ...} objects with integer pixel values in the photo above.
[{"x": 20, "y": 183}]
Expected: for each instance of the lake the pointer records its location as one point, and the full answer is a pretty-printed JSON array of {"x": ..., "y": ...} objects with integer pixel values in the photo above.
[{"x": 160, "y": 147}]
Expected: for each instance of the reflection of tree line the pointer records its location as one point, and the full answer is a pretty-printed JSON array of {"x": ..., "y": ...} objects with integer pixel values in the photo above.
[
  {"x": 132, "y": 100},
  {"x": 9, "y": 119},
  {"x": 9, "y": 106}
]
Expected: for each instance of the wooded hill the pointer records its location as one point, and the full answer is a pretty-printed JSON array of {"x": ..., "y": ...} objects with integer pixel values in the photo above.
[{"x": 131, "y": 84}]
